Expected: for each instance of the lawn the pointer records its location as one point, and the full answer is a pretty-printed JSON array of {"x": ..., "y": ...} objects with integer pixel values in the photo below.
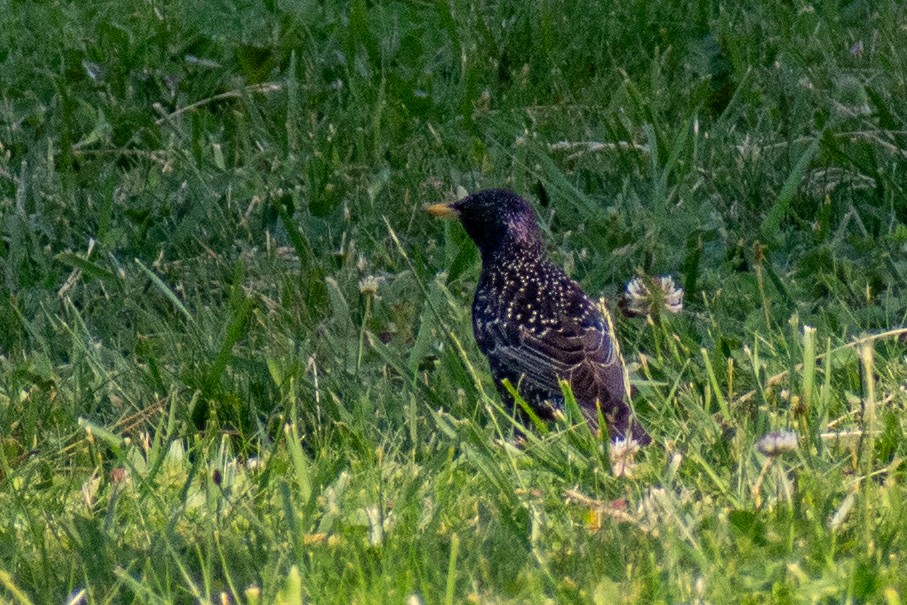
[{"x": 236, "y": 356}]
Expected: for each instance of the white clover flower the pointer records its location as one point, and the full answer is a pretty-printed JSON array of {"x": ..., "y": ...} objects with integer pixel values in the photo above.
[
  {"x": 651, "y": 296},
  {"x": 368, "y": 285},
  {"x": 777, "y": 443}
]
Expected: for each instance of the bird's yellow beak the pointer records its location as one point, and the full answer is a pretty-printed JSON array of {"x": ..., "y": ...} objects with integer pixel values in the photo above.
[{"x": 442, "y": 210}]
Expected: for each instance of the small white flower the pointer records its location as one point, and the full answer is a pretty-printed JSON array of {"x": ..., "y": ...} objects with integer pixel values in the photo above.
[
  {"x": 777, "y": 443},
  {"x": 651, "y": 296},
  {"x": 368, "y": 285}
]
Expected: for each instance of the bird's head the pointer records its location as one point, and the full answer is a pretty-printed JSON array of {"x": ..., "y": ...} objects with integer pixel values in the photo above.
[{"x": 495, "y": 219}]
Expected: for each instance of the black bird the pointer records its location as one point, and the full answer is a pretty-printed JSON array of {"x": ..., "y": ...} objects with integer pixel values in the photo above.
[{"x": 536, "y": 325}]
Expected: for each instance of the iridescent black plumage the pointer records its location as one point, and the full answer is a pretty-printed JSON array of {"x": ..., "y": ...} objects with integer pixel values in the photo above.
[{"x": 535, "y": 324}]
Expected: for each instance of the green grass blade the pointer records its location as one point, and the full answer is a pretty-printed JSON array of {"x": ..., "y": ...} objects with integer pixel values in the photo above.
[
  {"x": 166, "y": 291},
  {"x": 236, "y": 329},
  {"x": 86, "y": 266},
  {"x": 6, "y": 580},
  {"x": 771, "y": 224}
]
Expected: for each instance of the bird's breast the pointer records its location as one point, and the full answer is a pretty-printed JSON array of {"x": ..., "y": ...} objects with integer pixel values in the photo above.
[{"x": 531, "y": 294}]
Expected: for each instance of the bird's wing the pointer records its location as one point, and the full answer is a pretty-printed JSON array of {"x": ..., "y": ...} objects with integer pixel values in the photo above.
[{"x": 578, "y": 349}]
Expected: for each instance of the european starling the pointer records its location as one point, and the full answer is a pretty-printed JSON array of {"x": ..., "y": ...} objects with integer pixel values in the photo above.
[{"x": 533, "y": 323}]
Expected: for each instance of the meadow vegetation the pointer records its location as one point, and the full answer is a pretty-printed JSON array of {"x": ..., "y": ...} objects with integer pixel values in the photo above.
[{"x": 236, "y": 359}]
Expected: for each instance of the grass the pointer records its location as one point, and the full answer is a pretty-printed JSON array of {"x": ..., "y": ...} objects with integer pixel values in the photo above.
[{"x": 236, "y": 361}]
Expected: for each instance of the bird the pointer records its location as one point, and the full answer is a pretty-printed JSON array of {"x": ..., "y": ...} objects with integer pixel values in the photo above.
[{"x": 534, "y": 324}]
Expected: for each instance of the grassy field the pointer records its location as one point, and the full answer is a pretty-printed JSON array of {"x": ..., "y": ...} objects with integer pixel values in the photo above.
[{"x": 236, "y": 359}]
